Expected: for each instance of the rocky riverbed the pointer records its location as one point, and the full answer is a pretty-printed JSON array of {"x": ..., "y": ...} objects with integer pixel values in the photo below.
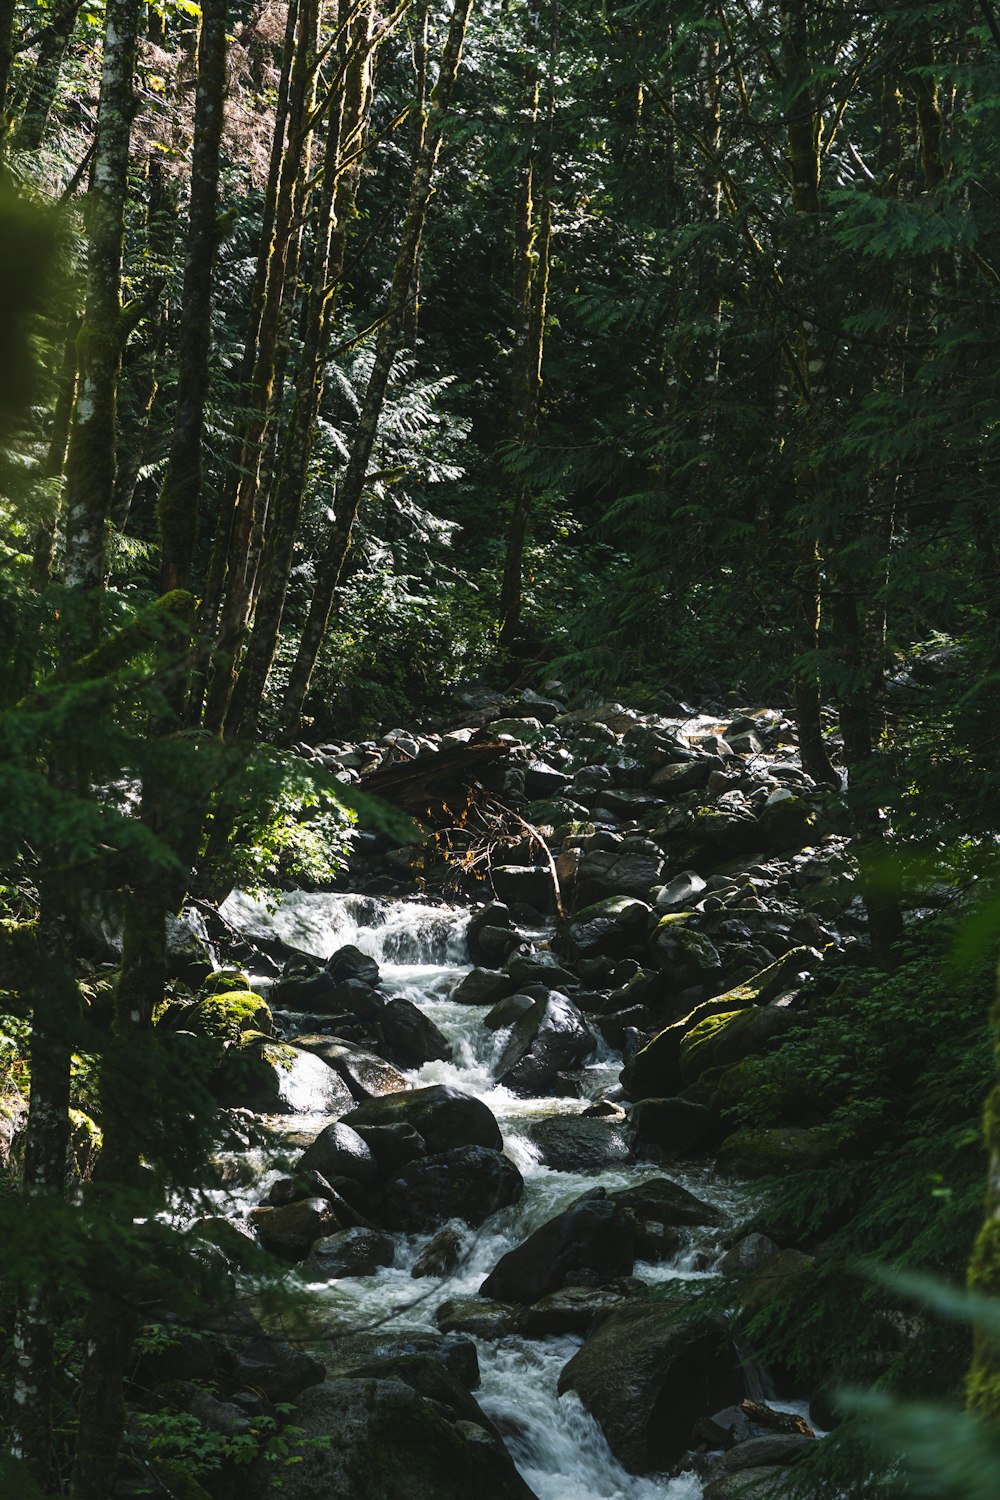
[{"x": 489, "y": 1140}]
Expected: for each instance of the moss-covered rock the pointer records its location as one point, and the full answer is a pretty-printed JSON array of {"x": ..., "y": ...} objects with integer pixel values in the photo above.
[
  {"x": 786, "y": 822},
  {"x": 721, "y": 1040},
  {"x": 683, "y": 955},
  {"x": 766, "y": 1152}
]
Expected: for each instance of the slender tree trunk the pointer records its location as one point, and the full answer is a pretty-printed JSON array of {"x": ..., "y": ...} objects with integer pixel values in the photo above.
[
  {"x": 90, "y": 468},
  {"x": 983, "y": 1386},
  {"x": 345, "y": 138},
  {"x": 181, "y": 494},
  {"x": 44, "y": 82},
  {"x": 331, "y": 563},
  {"x": 7, "y": 8},
  {"x": 236, "y": 600},
  {"x": 806, "y": 373}
]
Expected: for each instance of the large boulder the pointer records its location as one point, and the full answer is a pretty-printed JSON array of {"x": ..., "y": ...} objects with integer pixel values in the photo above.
[
  {"x": 338, "y": 1151},
  {"x": 410, "y": 1037},
  {"x": 684, "y": 957},
  {"x": 274, "y": 1078},
  {"x": 569, "y": 1143},
  {"x": 589, "y": 1243},
  {"x": 657, "y": 1200},
  {"x": 378, "y": 1439},
  {"x": 549, "y": 1039},
  {"x": 350, "y": 963},
  {"x": 675, "y": 1126},
  {"x": 523, "y": 885},
  {"x": 483, "y": 987},
  {"x": 490, "y": 934},
  {"x": 291, "y": 1231},
  {"x": 769, "y": 1482},
  {"x": 719, "y": 1041},
  {"x": 616, "y": 872},
  {"x": 608, "y": 926},
  {"x": 365, "y": 1075},
  {"x": 468, "y": 1183},
  {"x": 445, "y": 1117},
  {"x": 768, "y": 1151},
  {"x": 351, "y": 1252},
  {"x": 648, "y": 1374}
]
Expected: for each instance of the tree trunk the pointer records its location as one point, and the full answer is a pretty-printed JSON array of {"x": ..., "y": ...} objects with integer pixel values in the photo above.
[
  {"x": 52, "y": 49},
  {"x": 236, "y": 600},
  {"x": 7, "y": 8},
  {"x": 983, "y": 1387},
  {"x": 331, "y": 563},
  {"x": 181, "y": 494},
  {"x": 348, "y": 124},
  {"x": 90, "y": 468}
]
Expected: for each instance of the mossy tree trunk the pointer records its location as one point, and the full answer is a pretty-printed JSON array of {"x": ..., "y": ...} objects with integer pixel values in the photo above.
[
  {"x": 351, "y": 489},
  {"x": 43, "y": 85}
]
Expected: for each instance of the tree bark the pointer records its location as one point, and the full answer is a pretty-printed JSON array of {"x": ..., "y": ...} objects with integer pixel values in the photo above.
[
  {"x": 331, "y": 563},
  {"x": 180, "y": 497},
  {"x": 983, "y": 1386},
  {"x": 52, "y": 48}
]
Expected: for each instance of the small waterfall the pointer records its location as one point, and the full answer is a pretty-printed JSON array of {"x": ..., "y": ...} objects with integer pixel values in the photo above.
[{"x": 318, "y": 923}]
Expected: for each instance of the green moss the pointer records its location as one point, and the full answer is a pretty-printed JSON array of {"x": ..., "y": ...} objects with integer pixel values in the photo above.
[
  {"x": 227, "y": 1016},
  {"x": 226, "y": 982},
  {"x": 767, "y": 1153}
]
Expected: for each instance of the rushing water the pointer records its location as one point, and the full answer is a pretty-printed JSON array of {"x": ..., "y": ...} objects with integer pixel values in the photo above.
[{"x": 420, "y": 948}]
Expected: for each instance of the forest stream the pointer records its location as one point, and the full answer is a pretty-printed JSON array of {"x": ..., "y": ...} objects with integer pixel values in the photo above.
[{"x": 422, "y": 956}]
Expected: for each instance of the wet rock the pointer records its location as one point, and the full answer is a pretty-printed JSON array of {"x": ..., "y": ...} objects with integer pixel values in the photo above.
[
  {"x": 490, "y": 934},
  {"x": 276, "y": 1369},
  {"x": 468, "y": 1183},
  {"x": 547, "y": 1040},
  {"x": 393, "y": 1146},
  {"x": 353, "y": 1351},
  {"x": 540, "y": 967},
  {"x": 675, "y": 1126},
  {"x": 590, "y": 1242},
  {"x": 362, "y": 1438},
  {"x": 748, "y": 1254},
  {"x": 508, "y": 1012},
  {"x": 445, "y": 1117},
  {"x": 683, "y": 776},
  {"x": 647, "y": 1376},
  {"x": 570, "y": 1143},
  {"x": 483, "y": 987},
  {"x": 768, "y": 1283},
  {"x": 722, "y": 1040},
  {"x": 776, "y": 1448},
  {"x": 608, "y": 926},
  {"x": 274, "y": 1078},
  {"x": 292, "y": 1231},
  {"x": 752, "y": 1484},
  {"x": 543, "y": 780},
  {"x": 338, "y": 1151},
  {"x": 365, "y": 1075},
  {"x": 350, "y": 963},
  {"x": 441, "y": 1255},
  {"x": 410, "y": 1036},
  {"x": 786, "y": 821},
  {"x": 478, "y": 1317},
  {"x": 574, "y": 1309},
  {"x": 351, "y": 1252},
  {"x": 664, "y": 1202}
]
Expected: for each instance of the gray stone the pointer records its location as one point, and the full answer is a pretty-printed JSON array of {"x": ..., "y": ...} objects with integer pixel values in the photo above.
[
  {"x": 569, "y": 1143},
  {"x": 609, "y": 926},
  {"x": 548, "y": 1040},
  {"x": 611, "y": 872},
  {"x": 338, "y": 1151},
  {"x": 752, "y": 1484},
  {"x": 365, "y": 1075},
  {"x": 351, "y": 1252},
  {"x": 588, "y": 1243},
  {"x": 680, "y": 893},
  {"x": 483, "y": 987},
  {"x": 470, "y": 1183},
  {"x": 478, "y": 1317},
  {"x": 774, "y": 1448},
  {"x": 445, "y": 1117},
  {"x": 291, "y": 1231}
]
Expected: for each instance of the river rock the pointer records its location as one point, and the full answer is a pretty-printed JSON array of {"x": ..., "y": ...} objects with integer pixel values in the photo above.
[
  {"x": 468, "y": 1183},
  {"x": 350, "y": 963},
  {"x": 608, "y": 926},
  {"x": 661, "y": 1201},
  {"x": 445, "y": 1117},
  {"x": 768, "y": 1151},
  {"x": 508, "y": 1011},
  {"x": 614, "y": 872},
  {"x": 681, "y": 893},
  {"x": 478, "y": 1317},
  {"x": 354, "y": 1351},
  {"x": 774, "y": 1448},
  {"x": 393, "y": 1146},
  {"x": 441, "y": 1255},
  {"x": 523, "y": 885},
  {"x": 275, "y": 1368},
  {"x": 574, "y": 1309},
  {"x": 365, "y": 1075},
  {"x": 483, "y": 987},
  {"x": 351, "y": 1252},
  {"x": 719, "y": 1041},
  {"x": 766, "y": 1483},
  {"x": 748, "y": 1255},
  {"x": 292, "y": 1231},
  {"x": 568, "y": 1143},
  {"x": 493, "y": 918},
  {"x": 550, "y": 1039},
  {"x": 359, "y": 1439},
  {"x": 675, "y": 1126},
  {"x": 410, "y": 1036},
  {"x": 538, "y": 967},
  {"x": 683, "y": 956},
  {"x": 274, "y": 1078},
  {"x": 338, "y": 1151},
  {"x": 786, "y": 821},
  {"x": 646, "y": 1376},
  {"x": 589, "y": 1243}
]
